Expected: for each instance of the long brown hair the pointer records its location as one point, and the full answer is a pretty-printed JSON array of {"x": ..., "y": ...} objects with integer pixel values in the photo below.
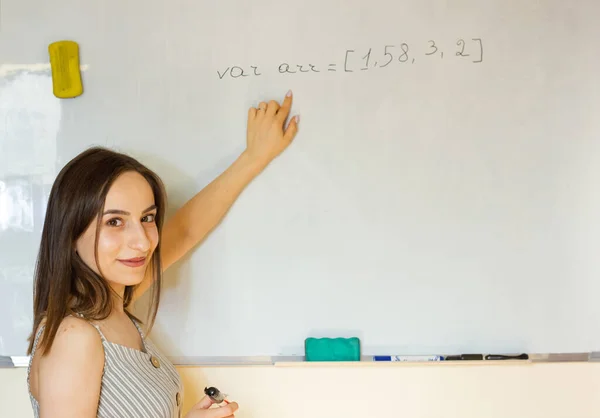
[{"x": 63, "y": 283}]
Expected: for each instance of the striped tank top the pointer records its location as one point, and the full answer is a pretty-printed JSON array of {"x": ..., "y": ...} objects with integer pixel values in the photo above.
[{"x": 135, "y": 384}]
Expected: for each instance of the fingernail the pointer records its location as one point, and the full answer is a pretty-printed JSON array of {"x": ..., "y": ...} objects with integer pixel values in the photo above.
[
  {"x": 297, "y": 118},
  {"x": 289, "y": 94}
]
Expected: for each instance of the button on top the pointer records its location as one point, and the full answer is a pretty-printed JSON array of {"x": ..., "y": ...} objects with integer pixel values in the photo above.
[
  {"x": 178, "y": 398},
  {"x": 155, "y": 362}
]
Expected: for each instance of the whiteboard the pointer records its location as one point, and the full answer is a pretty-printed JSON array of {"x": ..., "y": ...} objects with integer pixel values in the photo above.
[{"x": 442, "y": 194}]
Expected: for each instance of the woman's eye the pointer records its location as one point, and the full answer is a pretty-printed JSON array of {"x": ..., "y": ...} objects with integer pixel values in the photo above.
[
  {"x": 114, "y": 222},
  {"x": 148, "y": 218}
]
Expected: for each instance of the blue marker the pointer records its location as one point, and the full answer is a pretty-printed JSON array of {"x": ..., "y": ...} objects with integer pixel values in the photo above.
[{"x": 408, "y": 358}]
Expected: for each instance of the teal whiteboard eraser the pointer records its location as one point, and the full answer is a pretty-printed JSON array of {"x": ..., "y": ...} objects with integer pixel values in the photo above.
[{"x": 332, "y": 349}]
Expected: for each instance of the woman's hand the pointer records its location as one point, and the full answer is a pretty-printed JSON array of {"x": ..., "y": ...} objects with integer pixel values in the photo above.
[
  {"x": 203, "y": 410},
  {"x": 267, "y": 136}
]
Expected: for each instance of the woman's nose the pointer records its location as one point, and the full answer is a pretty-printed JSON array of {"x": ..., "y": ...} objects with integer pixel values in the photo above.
[{"x": 138, "y": 239}]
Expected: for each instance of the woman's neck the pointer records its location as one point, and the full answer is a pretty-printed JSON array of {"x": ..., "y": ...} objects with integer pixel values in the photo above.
[{"x": 117, "y": 297}]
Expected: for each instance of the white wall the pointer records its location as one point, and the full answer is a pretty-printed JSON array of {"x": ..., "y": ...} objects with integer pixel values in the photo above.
[{"x": 521, "y": 390}]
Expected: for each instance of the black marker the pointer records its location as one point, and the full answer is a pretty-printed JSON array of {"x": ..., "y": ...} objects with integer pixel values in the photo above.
[
  {"x": 465, "y": 357},
  {"x": 216, "y": 395},
  {"x": 504, "y": 357}
]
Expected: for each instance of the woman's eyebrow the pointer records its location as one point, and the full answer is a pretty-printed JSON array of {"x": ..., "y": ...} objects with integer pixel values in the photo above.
[{"x": 123, "y": 212}]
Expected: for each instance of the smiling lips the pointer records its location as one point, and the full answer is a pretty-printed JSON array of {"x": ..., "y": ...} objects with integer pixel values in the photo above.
[{"x": 134, "y": 262}]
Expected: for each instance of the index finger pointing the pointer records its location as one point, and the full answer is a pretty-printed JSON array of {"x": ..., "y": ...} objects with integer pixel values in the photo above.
[{"x": 284, "y": 110}]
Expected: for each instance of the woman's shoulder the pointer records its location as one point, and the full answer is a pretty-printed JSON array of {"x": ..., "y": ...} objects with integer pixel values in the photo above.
[
  {"x": 75, "y": 360},
  {"x": 71, "y": 325},
  {"x": 75, "y": 353},
  {"x": 76, "y": 327},
  {"x": 74, "y": 336}
]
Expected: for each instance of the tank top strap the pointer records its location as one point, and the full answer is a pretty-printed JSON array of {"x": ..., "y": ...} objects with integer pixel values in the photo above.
[
  {"x": 139, "y": 328},
  {"x": 35, "y": 344},
  {"x": 36, "y": 340},
  {"x": 102, "y": 337}
]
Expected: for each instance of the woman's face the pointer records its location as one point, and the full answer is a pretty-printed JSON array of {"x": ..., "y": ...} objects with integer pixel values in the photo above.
[{"x": 128, "y": 234}]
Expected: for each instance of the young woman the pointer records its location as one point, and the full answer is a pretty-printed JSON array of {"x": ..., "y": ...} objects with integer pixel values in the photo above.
[{"x": 102, "y": 246}]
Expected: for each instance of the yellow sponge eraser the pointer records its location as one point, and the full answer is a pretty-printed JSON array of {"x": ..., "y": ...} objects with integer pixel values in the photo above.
[{"x": 64, "y": 64}]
